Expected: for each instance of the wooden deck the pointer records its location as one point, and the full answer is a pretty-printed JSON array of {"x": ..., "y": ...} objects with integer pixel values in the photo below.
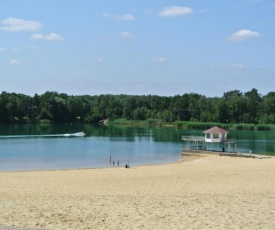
[{"x": 247, "y": 155}]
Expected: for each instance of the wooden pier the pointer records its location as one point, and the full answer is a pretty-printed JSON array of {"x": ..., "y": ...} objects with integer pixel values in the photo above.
[
  {"x": 216, "y": 138},
  {"x": 230, "y": 154},
  {"x": 247, "y": 155}
]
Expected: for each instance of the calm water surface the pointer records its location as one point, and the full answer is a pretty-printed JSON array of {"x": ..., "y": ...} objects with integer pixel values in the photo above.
[{"x": 133, "y": 145}]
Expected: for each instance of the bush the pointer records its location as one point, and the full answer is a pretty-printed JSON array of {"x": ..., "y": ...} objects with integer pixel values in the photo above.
[
  {"x": 243, "y": 126},
  {"x": 205, "y": 125},
  {"x": 44, "y": 121},
  {"x": 263, "y": 127}
]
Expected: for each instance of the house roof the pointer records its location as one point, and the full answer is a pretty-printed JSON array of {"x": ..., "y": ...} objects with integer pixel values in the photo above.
[{"x": 215, "y": 129}]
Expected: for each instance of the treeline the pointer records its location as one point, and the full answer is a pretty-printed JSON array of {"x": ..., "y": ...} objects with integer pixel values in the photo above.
[{"x": 233, "y": 107}]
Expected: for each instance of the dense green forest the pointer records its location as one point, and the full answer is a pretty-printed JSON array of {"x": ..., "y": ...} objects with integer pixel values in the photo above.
[{"x": 233, "y": 107}]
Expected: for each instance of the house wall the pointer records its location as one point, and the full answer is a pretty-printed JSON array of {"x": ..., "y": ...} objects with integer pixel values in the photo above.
[{"x": 215, "y": 137}]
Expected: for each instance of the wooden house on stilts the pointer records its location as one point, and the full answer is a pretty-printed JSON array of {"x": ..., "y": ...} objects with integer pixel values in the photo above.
[{"x": 215, "y": 139}]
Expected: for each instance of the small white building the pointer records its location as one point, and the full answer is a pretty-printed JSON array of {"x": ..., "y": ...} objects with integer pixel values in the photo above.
[
  {"x": 215, "y": 135},
  {"x": 214, "y": 139}
]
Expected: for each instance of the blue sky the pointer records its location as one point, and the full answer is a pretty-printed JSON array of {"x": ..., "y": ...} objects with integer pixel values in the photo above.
[{"x": 137, "y": 47}]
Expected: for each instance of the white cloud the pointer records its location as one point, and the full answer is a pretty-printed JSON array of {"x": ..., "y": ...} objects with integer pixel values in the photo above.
[
  {"x": 126, "y": 34},
  {"x": 14, "y": 62},
  {"x": 37, "y": 36},
  {"x": 148, "y": 11},
  {"x": 238, "y": 66},
  {"x": 18, "y": 25},
  {"x": 107, "y": 15},
  {"x": 54, "y": 37},
  {"x": 33, "y": 48},
  {"x": 175, "y": 11},
  {"x": 159, "y": 59},
  {"x": 48, "y": 37},
  {"x": 100, "y": 59},
  {"x": 262, "y": 67},
  {"x": 2, "y": 50},
  {"x": 15, "y": 50},
  {"x": 243, "y": 35},
  {"x": 124, "y": 17}
]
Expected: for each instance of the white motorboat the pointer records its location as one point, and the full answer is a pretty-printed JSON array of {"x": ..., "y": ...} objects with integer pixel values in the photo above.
[{"x": 79, "y": 134}]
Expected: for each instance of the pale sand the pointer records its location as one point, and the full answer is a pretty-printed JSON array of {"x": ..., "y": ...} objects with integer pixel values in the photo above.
[{"x": 208, "y": 193}]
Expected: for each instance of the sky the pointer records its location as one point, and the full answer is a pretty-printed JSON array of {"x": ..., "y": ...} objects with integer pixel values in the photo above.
[{"x": 141, "y": 47}]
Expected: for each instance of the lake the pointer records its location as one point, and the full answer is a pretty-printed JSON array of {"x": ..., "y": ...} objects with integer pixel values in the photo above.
[{"x": 35, "y": 147}]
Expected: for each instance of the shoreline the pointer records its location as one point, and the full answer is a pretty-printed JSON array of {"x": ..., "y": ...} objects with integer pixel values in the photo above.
[
  {"x": 210, "y": 192},
  {"x": 90, "y": 168},
  {"x": 183, "y": 158}
]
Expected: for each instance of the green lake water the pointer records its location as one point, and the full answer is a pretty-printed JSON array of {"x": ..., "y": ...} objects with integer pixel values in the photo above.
[{"x": 35, "y": 147}]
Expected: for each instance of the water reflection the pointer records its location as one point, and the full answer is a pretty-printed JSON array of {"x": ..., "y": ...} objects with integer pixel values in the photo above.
[{"x": 134, "y": 145}]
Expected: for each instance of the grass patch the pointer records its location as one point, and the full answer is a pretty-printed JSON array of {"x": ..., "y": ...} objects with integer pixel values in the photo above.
[
  {"x": 194, "y": 125},
  {"x": 199, "y": 125}
]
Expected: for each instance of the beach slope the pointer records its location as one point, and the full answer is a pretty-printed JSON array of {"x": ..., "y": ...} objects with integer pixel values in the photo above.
[{"x": 211, "y": 192}]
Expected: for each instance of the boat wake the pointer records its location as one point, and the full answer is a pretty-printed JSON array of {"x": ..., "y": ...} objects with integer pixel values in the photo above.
[{"x": 79, "y": 134}]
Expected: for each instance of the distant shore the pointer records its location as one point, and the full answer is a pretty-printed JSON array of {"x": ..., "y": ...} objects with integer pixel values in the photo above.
[{"x": 209, "y": 192}]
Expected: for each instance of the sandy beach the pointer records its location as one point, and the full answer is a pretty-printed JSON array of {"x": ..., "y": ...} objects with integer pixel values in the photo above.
[{"x": 210, "y": 192}]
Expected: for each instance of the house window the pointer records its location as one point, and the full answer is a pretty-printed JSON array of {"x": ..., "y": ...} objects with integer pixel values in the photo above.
[
  {"x": 208, "y": 135},
  {"x": 215, "y": 135}
]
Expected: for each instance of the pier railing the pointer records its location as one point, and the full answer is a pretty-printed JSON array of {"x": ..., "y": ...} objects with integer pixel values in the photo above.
[
  {"x": 231, "y": 140},
  {"x": 202, "y": 139},
  {"x": 193, "y": 138}
]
